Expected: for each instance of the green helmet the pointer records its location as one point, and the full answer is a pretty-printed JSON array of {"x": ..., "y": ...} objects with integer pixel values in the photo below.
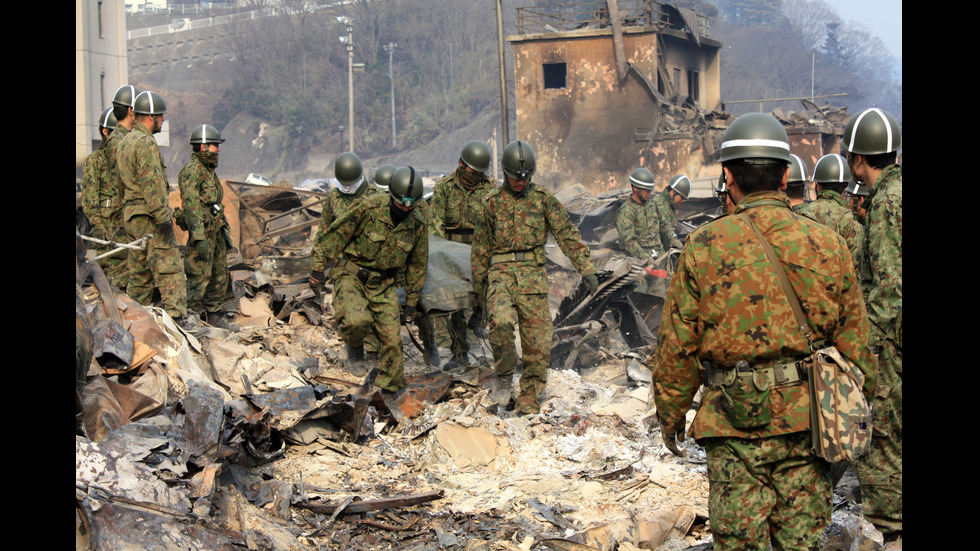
[
  {"x": 797, "y": 171},
  {"x": 205, "y": 133},
  {"x": 871, "y": 132},
  {"x": 476, "y": 155},
  {"x": 755, "y": 136},
  {"x": 831, "y": 169},
  {"x": 149, "y": 103},
  {"x": 518, "y": 160},
  {"x": 406, "y": 186},
  {"x": 681, "y": 184},
  {"x": 382, "y": 176},
  {"x": 347, "y": 169},
  {"x": 108, "y": 120},
  {"x": 642, "y": 178},
  {"x": 855, "y": 188},
  {"x": 125, "y": 95}
]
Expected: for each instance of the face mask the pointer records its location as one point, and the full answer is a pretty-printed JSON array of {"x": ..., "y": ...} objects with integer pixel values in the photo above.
[
  {"x": 469, "y": 179},
  {"x": 352, "y": 188},
  {"x": 208, "y": 158}
]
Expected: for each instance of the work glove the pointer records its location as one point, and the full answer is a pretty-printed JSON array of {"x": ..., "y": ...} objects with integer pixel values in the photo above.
[
  {"x": 673, "y": 434},
  {"x": 166, "y": 232},
  {"x": 203, "y": 248},
  {"x": 408, "y": 312},
  {"x": 592, "y": 282},
  {"x": 317, "y": 280}
]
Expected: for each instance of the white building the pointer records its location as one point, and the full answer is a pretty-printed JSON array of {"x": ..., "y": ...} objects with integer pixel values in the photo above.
[{"x": 100, "y": 67}]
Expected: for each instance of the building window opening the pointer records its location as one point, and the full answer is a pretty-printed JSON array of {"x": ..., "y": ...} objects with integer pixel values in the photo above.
[{"x": 555, "y": 75}]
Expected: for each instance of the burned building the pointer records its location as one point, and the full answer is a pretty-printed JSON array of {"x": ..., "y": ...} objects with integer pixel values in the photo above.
[{"x": 599, "y": 84}]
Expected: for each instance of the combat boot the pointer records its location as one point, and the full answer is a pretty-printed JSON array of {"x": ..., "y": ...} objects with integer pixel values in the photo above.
[
  {"x": 503, "y": 390},
  {"x": 526, "y": 405},
  {"x": 458, "y": 359},
  {"x": 355, "y": 360}
]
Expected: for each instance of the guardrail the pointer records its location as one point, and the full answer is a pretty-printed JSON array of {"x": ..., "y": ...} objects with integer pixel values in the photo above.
[{"x": 191, "y": 24}]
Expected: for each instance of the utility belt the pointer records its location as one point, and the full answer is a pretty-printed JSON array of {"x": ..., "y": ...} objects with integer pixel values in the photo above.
[
  {"x": 530, "y": 255},
  {"x": 779, "y": 374},
  {"x": 365, "y": 275},
  {"x": 461, "y": 235}
]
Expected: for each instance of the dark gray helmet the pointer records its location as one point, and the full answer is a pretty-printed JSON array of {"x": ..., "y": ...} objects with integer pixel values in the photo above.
[
  {"x": 755, "y": 136},
  {"x": 108, "y": 120},
  {"x": 831, "y": 169},
  {"x": 855, "y": 188},
  {"x": 206, "y": 133},
  {"x": 871, "y": 132},
  {"x": 347, "y": 169},
  {"x": 642, "y": 178},
  {"x": 797, "y": 171},
  {"x": 476, "y": 155},
  {"x": 406, "y": 186},
  {"x": 518, "y": 160},
  {"x": 125, "y": 95},
  {"x": 149, "y": 103},
  {"x": 680, "y": 184},
  {"x": 382, "y": 176}
]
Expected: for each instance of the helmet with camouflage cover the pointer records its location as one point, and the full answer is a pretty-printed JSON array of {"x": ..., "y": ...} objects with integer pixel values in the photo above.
[
  {"x": 642, "y": 178},
  {"x": 831, "y": 169},
  {"x": 406, "y": 186},
  {"x": 755, "y": 137},
  {"x": 108, "y": 120},
  {"x": 518, "y": 161},
  {"x": 347, "y": 169},
  {"x": 871, "y": 132},
  {"x": 681, "y": 185},
  {"x": 476, "y": 155},
  {"x": 382, "y": 176},
  {"x": 797, "y": 171},
  {"x": 149, "y": 103},
  {"x": 206, "y": 134},
  {"x": 125, "y": 95}
]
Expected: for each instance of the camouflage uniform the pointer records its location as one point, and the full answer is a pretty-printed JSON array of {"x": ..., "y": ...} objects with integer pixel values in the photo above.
[
  {"x": 336, "y": 205},
  {"x": 457, "y": 208},
  {"x": 146, "y": 204},
  {"x": 204, "y": 217},
  {"x": 370, "y": 250},
  {"x": 509, "y": 276},
  {"x": 725, "y": 304},
  {"x": 880, "y": 471},
  {"x": 832, "y": 211},
  {"x": 102, "y": 199},
  {"x": 667, "y": 216},
  {"x": 639, "y": 236}
]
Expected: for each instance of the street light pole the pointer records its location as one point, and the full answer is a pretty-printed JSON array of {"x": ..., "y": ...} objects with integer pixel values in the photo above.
[{"x": 390, "y": 48}]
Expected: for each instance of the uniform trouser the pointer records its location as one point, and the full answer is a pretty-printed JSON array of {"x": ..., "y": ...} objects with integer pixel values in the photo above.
[
  {"x": 207, "y": 277},
  {"x": 159, "y": 265},
  {"x": 506, "y": 307},
  {"x": 457, "y": 333},
  {"x": 767, "y": 490},
  {"x": 359, "y": 309},
  {"x": 880, "y": 471}
]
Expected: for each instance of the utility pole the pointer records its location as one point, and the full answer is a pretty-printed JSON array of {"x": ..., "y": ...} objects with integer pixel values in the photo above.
[
  {"x": 349, "y": 41},
  {"x": 390, "y": 48},
  {"x": 503, "y": 79}
]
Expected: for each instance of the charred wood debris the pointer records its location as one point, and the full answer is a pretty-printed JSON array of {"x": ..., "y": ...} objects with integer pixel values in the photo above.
[{"x": 251, "y": 435}]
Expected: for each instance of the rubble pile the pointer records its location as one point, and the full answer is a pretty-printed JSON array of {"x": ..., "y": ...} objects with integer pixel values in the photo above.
[{"x": 253, "y": 436}]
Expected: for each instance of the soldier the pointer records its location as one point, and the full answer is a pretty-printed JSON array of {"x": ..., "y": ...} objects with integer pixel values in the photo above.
[
  {"x": 96, "y": 192},
  {"x": 369, "y": 245},
  {"x": 831, "y": 176},
  {"x": 872, "y": 139},
  {"x": 854, "y": 196},
  {"x": 665, "y": 203},
  {"x": 639, "y": 230},
  {"x": 350, "y": 189},
  {"x": 728, "y": 324},
  {"x": 457, "y": 205},
  {"x": 382, "y": 176},
  {"x": 796, "y": 185},
  {"x": 509, "y": 276},
  {"x": 203, "y": 217},
  {"x": 146, "y": 211}
]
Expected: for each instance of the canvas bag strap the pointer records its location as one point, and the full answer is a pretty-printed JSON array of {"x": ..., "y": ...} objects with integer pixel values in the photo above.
[{"x": 794, "y": 300}]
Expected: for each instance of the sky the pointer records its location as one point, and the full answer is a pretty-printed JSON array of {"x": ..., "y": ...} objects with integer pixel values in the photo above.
[{"x": 883, "y": 18}]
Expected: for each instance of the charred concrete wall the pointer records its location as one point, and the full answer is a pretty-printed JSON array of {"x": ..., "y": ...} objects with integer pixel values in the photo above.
[{"x": 586, "y": 125}]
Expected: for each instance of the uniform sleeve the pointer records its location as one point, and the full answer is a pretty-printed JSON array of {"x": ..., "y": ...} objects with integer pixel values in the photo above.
[
  {"x": 190, "y": 197},
  {"x": 626, "y": 226},
  {"x": 852, "y": 331},
  {"x": 152, "y": 180},
  {"x": 92, "y": 175},
  {"x": 666, "y": 222},
  {"x": 437, "y": 212},
  {"x": 415, "y": 273},
  {"x": 337, "y": 236},
  {"x": 326, "y": 219},
  {"x": 567, "y": 236},
  {"x": 884, "y": 254},
  {"x": 481, "y": 249}
]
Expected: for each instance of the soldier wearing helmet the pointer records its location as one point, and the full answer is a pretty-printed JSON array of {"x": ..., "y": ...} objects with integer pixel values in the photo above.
[
  {"x": 203, "y": 217},
  {"x": 831, "y": 176},
  {"x": 146, "y": 211},
  {"x": 665, "y": 205},
  {"x": 509, "y": 276},
  {"x": 368, "y": 248},
  {"x": 855, "y": 194},
  {"x": 797, "y": 182},
  {"x": 871, "y": 140},
  {"x": 638, "y": 225},
  {"x": 101, "y": 202},
  {"x": 457, "y": 208},
  {"x": 727, "y": 325}
]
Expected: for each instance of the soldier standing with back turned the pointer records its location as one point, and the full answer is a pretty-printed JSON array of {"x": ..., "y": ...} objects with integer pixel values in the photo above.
[{"x": 727, "y": 324}]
